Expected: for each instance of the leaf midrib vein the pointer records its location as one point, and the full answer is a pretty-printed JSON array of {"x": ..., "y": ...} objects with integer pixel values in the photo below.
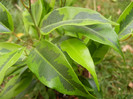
[
  {"x": 54, "y": 68},
  {"x": 126, "y": 27}
]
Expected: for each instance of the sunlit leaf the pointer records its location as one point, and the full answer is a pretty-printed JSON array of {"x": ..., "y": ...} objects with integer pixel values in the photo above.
[
  {"x": 71, "y": 16},
  {"x": 6, "y": 23},
  {"x": 102, "y": 33},
  {"x": 7, "y": 60},
  {"x": 125, "y": 29},
  {"x": 80, "y": 53},
  {"x": 51, "y": 67}
]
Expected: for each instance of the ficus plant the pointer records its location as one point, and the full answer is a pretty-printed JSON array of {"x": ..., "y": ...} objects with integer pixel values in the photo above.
[{"x": 58, "y": 44}]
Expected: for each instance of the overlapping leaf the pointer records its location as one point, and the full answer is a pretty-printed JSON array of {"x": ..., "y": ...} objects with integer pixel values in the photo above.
[
  {"x": 102, "y": 33},
  {"x": 7, "y": 60},
  {"x": 6, "y": 23},
  {"x": 50, "y": 66},
  {"x": 126, "y": 23},
  {"x": 90, "y": 82},
  {"x": 97, "y": 51},
  {"x": 80, "y": 53},
  {"x": 8, "y": 47},
  {"x": 14, "y": 70},
  {"x": 71, "y": 16},
  {"x": 16, "y": 85},
  {"x": 27, "y": 90},
  {"x": 38, "y": 10}
]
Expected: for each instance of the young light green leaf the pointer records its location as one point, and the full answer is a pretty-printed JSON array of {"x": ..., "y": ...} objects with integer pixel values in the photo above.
[
  {"x": 125, "y": 29},
  {"x": 71, "y": 16},
  {"x": 6, "y": 23},
  {"x": 7, "y": 60},
  {"x": 8, "y": 47},
  {"x": 80, "y": 53},
  {"x": 102, "y": 33},
  {"x": 16, "y": 85},
  {"x": 51, "y": 67}
]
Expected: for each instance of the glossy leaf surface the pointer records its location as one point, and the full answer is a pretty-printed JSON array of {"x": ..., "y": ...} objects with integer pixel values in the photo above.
[
  {"x": 125, "y": 29},
  {"x": 71, "y": 16},
  {"x": 80, "y": 53},
  {"x": 6, "y": 23},
  {"x": 102, "y": 33},
  {"x": 51, "y": 67},
  {"x": 7, "y": 60}
]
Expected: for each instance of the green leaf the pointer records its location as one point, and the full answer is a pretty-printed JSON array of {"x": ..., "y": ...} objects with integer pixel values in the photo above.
[
  {"x": 29, "y": 24},
  {"x": 60, "y": 39},
  {"x": 51, "y": 94},
  {"x": 90, "y": 82},
  {"x": 7, "y": 60},
  {"x": 51, "y": 67},
  {"x": 126, "y": 23},
  {"x": 29, "y": 89},
  {"x": 8, "y": 47},
  {"x": 47, "y": 5},
  {"x": 102, "y": 33},
  {"x": 6, "y": 23},
  {"x": 71, "y": 16},
  {"x": 97, "y": 51},
  {"x": 14, "y": 70},
  {"x": 70, "y": 2},
  {"x": 16, "y": 85},
  {"x": 80, "y": 53},
  {"x": 51, "y": 3},
  {"x": 36, "y": 10}
]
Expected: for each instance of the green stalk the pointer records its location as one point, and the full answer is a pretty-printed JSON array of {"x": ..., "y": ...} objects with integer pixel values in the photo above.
[{"x": 29, "y": 10}]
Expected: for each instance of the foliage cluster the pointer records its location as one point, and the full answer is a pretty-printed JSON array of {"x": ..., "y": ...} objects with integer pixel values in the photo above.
[{"x": 56, "y": 42}]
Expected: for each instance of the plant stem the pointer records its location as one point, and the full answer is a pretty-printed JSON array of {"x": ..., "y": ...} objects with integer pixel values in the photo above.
[
  {"x": 17, "y": 37},
  {"x": 38, "y": 30},
  {"x": 94, "y": 3},
  {"x": 26, "y": 54},
  {"x": 29, "y": 10},
  {"x": 30, "y": 4},
  {"x": 24, "y": 4},
  {"x": 61, "y": 3},
  {"x": 64, "y": 2}
]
